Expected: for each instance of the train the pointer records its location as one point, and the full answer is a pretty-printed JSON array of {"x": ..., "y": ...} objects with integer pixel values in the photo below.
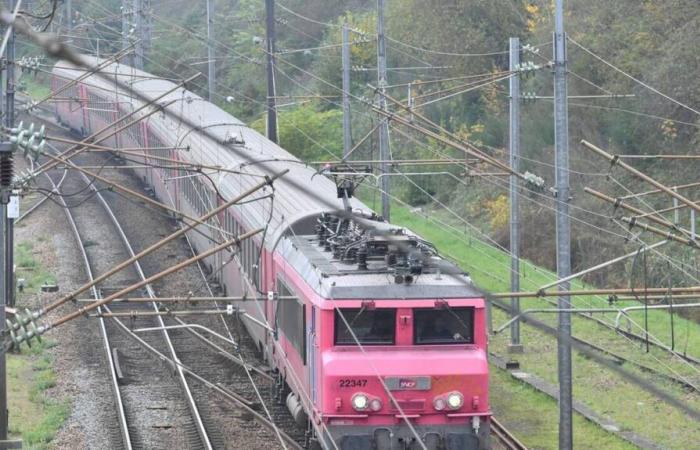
[{"x": 377, "y": 341}]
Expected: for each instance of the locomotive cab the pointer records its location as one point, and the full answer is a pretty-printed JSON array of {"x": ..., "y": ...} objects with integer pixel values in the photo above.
[
  {"x": 395, "y": 362},
  {"x": 395, "y": 349}
]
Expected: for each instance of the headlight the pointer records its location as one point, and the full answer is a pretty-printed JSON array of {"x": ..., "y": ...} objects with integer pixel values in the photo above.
[
  {"x": 455, "y": 400},
  {"x": 375, "y": 404},
  {"x": 439, "y": 403},
  {"x": 360, "y": 402}
]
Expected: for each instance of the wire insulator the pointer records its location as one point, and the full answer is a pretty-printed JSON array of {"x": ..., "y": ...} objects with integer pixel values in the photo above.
[
  {"x": 6, "y": 169},
  {"x": 362, "y": 258}
]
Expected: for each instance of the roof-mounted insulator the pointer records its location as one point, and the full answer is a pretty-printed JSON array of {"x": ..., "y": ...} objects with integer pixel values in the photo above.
[{"x": 362, "y": 258}]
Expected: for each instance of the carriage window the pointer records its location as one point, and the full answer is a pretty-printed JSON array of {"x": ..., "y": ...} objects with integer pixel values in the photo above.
[
  {"x": 291, "y": 318},
  {"x": 443, "y": 326},
  {"x": 370, "y": 326}
]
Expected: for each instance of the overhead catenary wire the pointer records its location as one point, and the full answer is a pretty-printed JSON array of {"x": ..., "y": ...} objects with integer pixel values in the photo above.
[
  {"x": 195, "y": 127},
  {"x": 614, "y": 160},
  {"x": 631, "y": 77},
  {"x": 506, "y": 251}
]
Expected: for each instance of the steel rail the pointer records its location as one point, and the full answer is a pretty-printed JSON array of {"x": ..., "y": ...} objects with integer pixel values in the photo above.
[
  {"x": 181, "y": 369},
  {"x": 628, "y": 334},
  {"x": 114, "y": 381},
  {"x": 176, "y": 362},
  {"x": 267, "y": 422},
  {"x": 183, "y": 230},
  {"x": 41, "y": 201},
  {"x": 505, "y": 437},
  {"x": 194, "y": 409},
  {"x": 584, "y": 313}
]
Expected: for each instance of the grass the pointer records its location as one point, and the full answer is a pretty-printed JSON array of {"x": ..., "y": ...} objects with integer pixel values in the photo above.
[
  {"x": 35, "y": 86},
  {"x": 35, "y": 416},
  {"x": 606, "y": 392},
  {"x": 489, "y": 267},
  {"x": 30, "y": 270},
  {"x": 539, "y": 430}
]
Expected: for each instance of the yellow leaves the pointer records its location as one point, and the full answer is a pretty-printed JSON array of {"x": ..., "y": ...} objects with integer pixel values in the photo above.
[
  {"x": 532, "y": 9},
  {"x": 362, "y": 51},
  {"x": 492, "y": 99},
  {"x": 470, "y": 133},
  {"x": 498, "y": 211},
  {"x": 534, "y": 17},
  {"x": 477, "y": 128}
]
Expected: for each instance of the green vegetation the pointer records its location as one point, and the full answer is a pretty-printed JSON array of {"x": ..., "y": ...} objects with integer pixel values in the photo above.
[
  {"x": 35, "y": 86},
  {"x": 309, "y": 134},
  {"x": 600, "y": 388},
  {"x": 35, "y": 416},
  {"x": 652, "y": 40},
  {"x": 533, "y": 417},
  {"x": 30, "y": 270}
]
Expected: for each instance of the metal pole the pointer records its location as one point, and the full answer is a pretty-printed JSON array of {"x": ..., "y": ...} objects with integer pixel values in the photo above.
[
  {"x": 210, "y": 50},
  {"x": 271, "y": 91},
  {"x": 69, "y": 15},
  {"x": 3, "y": 369},
  {"x": 347, "y": 130},
  {"x": 147, "y": 23},
  {"x": 641, "y": 175},
  {"x": 10, "y": 76},
  {"x": 384, "y": 126},
  {"x": 9, "y": 123},
  {"x": 6, "y": 169},
  {"x": 138, "y": 25},
  {"x": 670, "y": 305},
  {"x": 125, "y": 24},
  {"x": 514, "y": 146},
  {"x": 563, "y": 227},
  {"x": 693, "y": 235}
]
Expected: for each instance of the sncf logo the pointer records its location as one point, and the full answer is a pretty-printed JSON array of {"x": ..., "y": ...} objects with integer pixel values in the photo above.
[{"x": 407, "y": 383}]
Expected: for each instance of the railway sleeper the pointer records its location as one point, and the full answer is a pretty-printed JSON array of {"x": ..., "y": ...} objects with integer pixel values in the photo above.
[{"x": 117, "y": 365}]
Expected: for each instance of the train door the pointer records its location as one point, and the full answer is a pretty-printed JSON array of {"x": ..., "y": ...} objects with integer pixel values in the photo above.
[
  {"x": 143, "y": 142},
  {"x": 311, "y": 352},
  {"x": 222, "y": 236},
  {"x": 115, "y": 117},
  {"x": 172, "y": 179},
  {"x": 84, "y": 102}
]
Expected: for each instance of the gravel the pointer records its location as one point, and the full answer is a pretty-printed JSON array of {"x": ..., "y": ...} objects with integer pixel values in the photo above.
[{"x": 79, "y": 360}]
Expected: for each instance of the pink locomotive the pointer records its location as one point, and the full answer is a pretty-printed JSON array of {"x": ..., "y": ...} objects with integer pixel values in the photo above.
[{"x": 378, "y": 342}]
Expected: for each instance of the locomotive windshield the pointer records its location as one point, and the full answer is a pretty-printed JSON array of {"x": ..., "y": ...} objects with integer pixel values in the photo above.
[
  {"x": 444, "y": 326},
  {"x": 370, "y": 326}
]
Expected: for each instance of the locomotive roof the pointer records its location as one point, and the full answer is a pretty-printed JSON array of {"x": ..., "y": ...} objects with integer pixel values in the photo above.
[
  {"x": 335, "y": 279},
  {"x": 300, "y": 197}
]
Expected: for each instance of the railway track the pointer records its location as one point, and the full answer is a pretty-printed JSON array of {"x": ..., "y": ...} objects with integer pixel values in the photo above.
[
  {"x": 201, "y": 433},
  {"x": 202, "y": 390},
  {"x": 234, "y": 371},
  {"x": 622, "y": 359},
  {"x": 504, "y": 437},
  {"x": 123, "y": 386}
]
